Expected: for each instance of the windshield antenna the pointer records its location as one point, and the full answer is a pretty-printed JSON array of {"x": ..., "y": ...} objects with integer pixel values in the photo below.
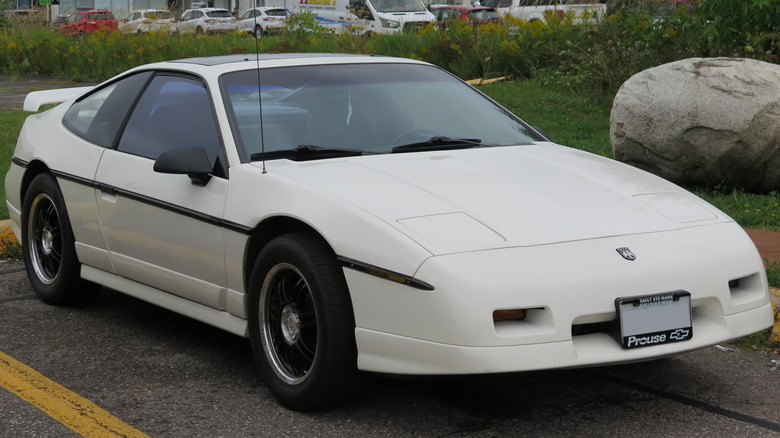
[{"x": 259, "y": 91}]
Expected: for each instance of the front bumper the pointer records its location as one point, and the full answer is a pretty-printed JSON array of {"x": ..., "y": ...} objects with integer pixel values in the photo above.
[{"x": 570, "y": 290}]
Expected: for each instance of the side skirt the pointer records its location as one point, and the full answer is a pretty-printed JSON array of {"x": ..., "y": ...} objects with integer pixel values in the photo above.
[{"x": 191, "y": 309}]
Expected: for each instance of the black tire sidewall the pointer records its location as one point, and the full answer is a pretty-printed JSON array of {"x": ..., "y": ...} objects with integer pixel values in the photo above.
[
  {"x": 334, "y": 373},
  {"x": 67, "y": 287}
]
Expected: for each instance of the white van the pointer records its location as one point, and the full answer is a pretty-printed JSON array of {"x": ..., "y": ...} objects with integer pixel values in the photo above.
[
  {"x": 533, "y": 10},
  {"x": 360, "y": 16}
]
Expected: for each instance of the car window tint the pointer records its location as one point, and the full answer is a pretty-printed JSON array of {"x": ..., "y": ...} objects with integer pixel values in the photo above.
[
  {"x": 175, "y": 112},
  {"x": 369, "y": 107},
  {"x": 219, "y": 14},
  {"x": 99, "y": 116}
]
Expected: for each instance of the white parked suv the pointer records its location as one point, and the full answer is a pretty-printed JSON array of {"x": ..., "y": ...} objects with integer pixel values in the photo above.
[
  {"x": 258, "y": 21},
  {"x": 148, "y": 20},
  {"x": 207, "y": 20}
]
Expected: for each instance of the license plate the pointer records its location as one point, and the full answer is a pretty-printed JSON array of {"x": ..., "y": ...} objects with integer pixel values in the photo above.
[{"x": 655, "y": 319}]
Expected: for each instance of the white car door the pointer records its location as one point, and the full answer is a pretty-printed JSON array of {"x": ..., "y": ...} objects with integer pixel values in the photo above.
[{"x": 161, "y": 229}]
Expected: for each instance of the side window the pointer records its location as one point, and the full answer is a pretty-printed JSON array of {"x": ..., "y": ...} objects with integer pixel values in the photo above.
[
  {"x": 99, "y": 116},
  {"x": 175, "y": 112}
]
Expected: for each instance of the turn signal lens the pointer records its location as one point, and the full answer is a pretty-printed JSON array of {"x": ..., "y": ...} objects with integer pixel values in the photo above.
[{"x": 509, "y": 314}]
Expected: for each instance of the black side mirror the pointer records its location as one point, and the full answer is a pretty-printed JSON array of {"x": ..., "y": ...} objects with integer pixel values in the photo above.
[{"x": 190, "y": 161}]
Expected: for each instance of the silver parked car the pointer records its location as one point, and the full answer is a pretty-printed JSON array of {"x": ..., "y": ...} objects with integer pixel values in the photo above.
[
  {"x": 258, "y": 21},
  {"x": 148, "y": 20},
  {"x": 207, "y": 20}
]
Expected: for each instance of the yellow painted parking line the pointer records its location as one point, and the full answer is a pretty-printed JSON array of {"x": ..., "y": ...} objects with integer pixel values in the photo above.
[{"x": 74, "y": 411}]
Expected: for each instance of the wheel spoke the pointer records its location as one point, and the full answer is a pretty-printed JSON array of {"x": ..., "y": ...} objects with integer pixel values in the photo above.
[{"x": 290, "y": 323}]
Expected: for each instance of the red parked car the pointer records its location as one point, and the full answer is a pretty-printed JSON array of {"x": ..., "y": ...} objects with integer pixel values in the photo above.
[
  {"x": 80, "y": 22},
  {"x": 476, "y": 15}
]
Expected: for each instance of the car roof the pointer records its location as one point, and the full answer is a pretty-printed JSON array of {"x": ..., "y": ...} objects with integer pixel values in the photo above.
[
  {"x": 213, "y": 66},
  {"x": 229, "y": 59}
]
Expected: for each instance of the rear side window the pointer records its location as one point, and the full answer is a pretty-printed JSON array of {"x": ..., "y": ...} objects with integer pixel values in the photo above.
[{"x": 99, "y": 116}]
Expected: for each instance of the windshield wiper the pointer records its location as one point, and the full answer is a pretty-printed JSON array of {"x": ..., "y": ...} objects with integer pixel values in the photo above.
[
  {"x": 305, "y": 152},
  {"x": 438, "y": 144}
]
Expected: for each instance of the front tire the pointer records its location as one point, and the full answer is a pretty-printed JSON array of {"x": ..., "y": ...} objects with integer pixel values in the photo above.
[
  {"x": 48, "y": 246},
  {"x": 301, "y": 323}
]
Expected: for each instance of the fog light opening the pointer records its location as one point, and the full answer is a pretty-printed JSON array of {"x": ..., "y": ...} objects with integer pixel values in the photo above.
[{"x": 509, "y": 315}]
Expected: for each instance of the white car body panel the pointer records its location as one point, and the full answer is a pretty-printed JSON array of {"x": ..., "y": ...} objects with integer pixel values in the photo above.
[
  {"x": 532, "y": 227},
  {"x": 431, "y": 184},
  {"x": 156, "y": 245},
  {"x": 476, "y": 284}
]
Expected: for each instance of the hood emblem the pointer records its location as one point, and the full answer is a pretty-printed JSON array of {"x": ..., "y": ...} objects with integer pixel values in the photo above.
[{"x": 626, "y": 253}]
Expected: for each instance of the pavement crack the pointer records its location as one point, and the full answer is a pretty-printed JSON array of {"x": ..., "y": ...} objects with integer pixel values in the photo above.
[{"x": 699, "y": 404}]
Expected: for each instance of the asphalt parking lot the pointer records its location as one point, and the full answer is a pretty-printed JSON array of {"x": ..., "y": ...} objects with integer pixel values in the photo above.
[{"x": 167, "y": 376}]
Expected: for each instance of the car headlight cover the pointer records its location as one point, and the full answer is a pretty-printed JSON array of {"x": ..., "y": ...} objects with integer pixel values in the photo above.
[
  {"x": 677, "y": 207},
  {"x": 451, "y": 232}
]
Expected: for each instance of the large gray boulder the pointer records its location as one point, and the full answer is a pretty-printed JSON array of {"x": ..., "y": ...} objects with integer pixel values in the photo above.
[{"x": 711, "y": 122}]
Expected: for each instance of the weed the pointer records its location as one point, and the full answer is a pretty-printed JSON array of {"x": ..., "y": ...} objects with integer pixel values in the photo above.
[{"x": 598, "y": 53}]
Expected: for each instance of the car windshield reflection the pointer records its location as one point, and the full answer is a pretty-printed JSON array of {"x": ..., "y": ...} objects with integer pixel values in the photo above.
[{"x": 365, "y": 107}]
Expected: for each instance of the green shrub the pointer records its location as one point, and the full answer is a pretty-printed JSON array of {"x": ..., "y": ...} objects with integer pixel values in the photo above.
[
  {"x": 744, "y": 26},
  {"x": 597, "y": 53}
]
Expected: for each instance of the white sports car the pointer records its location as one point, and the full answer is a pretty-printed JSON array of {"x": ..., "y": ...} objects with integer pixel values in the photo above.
[{"x": 353, "y": 214}]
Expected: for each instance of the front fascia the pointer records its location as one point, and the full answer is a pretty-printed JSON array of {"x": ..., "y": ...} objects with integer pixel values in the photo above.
[{"x": 565, "y": 284}]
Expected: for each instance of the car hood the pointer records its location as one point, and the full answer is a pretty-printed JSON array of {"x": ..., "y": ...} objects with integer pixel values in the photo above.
[{"x": 477, "y": 199}]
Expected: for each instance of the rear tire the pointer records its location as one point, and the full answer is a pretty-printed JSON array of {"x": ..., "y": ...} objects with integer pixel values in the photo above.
[
  {"x": 301, "y": 323},
  {"x": 258, "y": 32},
  {"x": 48, "y": 246}
]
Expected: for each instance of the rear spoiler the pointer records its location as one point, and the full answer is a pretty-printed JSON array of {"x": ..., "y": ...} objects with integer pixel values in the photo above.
[{"x": 36, "y": 99}]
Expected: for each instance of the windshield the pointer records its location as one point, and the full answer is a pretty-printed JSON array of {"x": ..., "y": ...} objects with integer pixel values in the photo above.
[
  {"x": 397, "y": 5},
  {"x": 369, "y": 107}
]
